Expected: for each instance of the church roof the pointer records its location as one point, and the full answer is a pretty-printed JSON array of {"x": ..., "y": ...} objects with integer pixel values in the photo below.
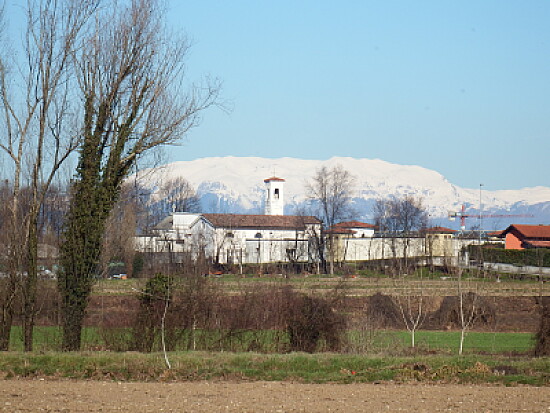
[
  {"x": 274, "y": 178},
  {"x": 260, "y": 221}
]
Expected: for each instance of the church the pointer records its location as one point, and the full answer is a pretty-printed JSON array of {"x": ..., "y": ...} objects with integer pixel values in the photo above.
[{"x": 238, "y": 238}]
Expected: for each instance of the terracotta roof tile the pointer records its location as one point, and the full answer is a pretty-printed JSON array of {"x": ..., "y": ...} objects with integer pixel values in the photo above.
[
  {"x": 530, "y": 231},
  {"x": 260, "y": 221},
  {"x": 340, "y": 231},
  {"x": 538, "y": 244},
  {"x": 274, "y": 178},
  {"x": 440, "y": 230},
  {"x": 354, "y": 224}
]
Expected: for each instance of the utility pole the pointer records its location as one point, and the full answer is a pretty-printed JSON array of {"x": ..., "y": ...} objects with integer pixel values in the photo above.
[{"x": 480, "y": 214}]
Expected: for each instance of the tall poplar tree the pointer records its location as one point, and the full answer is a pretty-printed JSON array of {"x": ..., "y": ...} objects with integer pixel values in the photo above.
[{"x": 130, "y": 72}]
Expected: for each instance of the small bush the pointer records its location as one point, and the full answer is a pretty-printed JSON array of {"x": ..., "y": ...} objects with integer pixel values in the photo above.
[
  {"x": 311, "y": 319},
  {"x": 382, "y": 312},
  {"x": 542, "y": 346},
  {"x": 153, "y": 300},
  {"x": 476, "y": 307}
]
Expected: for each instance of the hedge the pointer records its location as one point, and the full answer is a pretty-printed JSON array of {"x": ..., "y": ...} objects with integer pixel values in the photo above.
[{"x": 528, "y": 257}]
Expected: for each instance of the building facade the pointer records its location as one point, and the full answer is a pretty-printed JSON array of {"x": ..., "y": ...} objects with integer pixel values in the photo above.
[
  {"x": 237, "y": 238},
  {"x": 518, "y": 237}
]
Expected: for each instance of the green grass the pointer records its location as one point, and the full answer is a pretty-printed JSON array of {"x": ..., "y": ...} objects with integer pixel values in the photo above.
[
  {"x": 307, "y": 368},
  {"x": 474, "y": 341},
  {"x": 49, "y": 338},
  {"x": 271, "y": 341}
]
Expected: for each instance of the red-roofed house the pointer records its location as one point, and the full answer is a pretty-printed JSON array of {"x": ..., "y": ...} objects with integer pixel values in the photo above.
[
  {"x": 519, "y": 237},
  {"x": 345, "y": 233},
  {"x": 439, "y": 230},
  {"x": 355, "y": 229}
]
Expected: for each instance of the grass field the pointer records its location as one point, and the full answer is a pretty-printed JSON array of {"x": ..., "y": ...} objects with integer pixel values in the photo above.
[
  {"x": 298, "y": 367},
  {"x": 447, "y": 342},
  {"x": 373, "y": 342}
]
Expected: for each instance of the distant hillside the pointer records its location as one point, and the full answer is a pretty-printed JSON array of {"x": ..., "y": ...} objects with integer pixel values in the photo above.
[{"x": 233, "y": 184}]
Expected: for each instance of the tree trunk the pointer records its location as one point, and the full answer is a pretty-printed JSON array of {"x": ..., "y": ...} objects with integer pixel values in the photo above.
[
  {"x": 5, "y": 328},
  {"x": 10, "y": 293},
  {"x": 5, "y": 333},
  {"x": 29, "y": 287},
  {"x": 80, "y": 258},
  {"x": 461, "y": 344},
  {"x": 80, "y": 254},
  {"x": 73, "y": 316}
]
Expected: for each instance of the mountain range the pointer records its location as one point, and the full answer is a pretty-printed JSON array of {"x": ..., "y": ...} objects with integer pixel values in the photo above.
[{"x": 235, "y": 185}]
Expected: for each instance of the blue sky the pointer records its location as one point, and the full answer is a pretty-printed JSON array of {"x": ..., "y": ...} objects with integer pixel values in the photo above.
[{"x": 459, "y": 87}]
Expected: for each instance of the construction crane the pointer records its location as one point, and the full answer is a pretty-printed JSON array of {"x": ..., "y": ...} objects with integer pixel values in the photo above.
[{"x": 463, "y": 215}]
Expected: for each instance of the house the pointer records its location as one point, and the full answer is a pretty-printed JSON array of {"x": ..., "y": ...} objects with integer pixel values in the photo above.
[
  {"x": 355, "y": 229},
  {"x": 518, "y": 237},
  {"x": 237, "y": 238},
  {"x": 438, "y": 241},
  {"x": 347, "y": 238}
]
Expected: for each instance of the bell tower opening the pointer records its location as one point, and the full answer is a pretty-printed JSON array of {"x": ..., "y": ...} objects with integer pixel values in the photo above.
[{"x": 274, "y": 200}]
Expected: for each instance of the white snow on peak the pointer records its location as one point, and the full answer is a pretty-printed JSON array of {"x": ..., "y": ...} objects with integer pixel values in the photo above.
[{"x": 241, "y": 179}]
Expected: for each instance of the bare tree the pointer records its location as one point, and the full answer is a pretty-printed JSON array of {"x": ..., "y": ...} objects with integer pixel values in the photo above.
[
  {"x": 178, "y": 195},
  {"x": 399, "y": 219},
  {"x": 411, "y": 300},
  {"x": 330, "y": 193},
  {"x": 36, "y": 132},
  {"x": 130, "y": 76},
  {"x": 468, "y": 305},
  {"x": 120, "y": 231}
]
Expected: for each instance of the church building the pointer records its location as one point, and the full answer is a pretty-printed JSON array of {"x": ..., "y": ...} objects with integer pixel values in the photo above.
[{"x": 238, "y": 238}]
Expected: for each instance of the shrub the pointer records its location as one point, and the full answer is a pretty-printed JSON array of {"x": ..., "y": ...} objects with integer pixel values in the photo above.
[
  {"x": 152, "y": 302},
  {"x": 448, "y": 313},
  {"x": 194, "y": 304},
  {"x": 382, "y": 312},
  {"x": 531, "y": 257},
  {"x": 542, "y": 346},
  {"x": 311, "y": 319}
]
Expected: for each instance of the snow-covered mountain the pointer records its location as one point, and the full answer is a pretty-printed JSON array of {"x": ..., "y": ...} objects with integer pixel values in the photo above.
[{"x": 235, "y": 185}]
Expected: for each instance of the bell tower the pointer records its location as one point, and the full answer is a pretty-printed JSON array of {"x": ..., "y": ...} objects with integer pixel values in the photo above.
[{"x": 274, "y": 201}]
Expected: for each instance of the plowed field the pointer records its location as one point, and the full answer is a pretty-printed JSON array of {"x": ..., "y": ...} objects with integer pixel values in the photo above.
[{"x": 103, "y": 396}]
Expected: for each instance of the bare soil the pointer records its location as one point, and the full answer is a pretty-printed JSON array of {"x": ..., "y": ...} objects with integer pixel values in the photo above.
[{"x": 103, "y": 396}]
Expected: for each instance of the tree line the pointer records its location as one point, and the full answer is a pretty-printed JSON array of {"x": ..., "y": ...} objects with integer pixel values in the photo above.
[{"x": 99, "y": 83}]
